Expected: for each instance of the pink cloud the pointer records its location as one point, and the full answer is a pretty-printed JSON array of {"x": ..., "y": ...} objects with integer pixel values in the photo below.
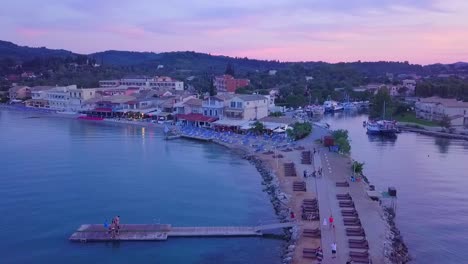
[{"x": 31, "y": 32}]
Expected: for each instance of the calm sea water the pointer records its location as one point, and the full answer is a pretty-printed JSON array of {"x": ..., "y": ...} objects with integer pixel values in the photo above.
[
  {"x": 57, "y": 174},
  {"x": 431, "y": 177}
]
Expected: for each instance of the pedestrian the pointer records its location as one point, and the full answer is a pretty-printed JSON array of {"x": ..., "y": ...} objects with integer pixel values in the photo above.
[
  {"x": 292, "y": 215},
  {"x": 330, "y": 221},
  {"x": 333, "y": 248},
  {"x": 319, "y": 254},
  {"x": 305, "y": 173},
  {"x": 325, "y": 223}
]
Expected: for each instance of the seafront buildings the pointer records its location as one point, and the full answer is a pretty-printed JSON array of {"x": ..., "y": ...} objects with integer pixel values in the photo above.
[{"x": 159, "y": 98}]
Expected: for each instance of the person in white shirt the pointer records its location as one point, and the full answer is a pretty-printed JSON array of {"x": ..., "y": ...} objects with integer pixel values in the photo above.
[{"x": 333, "y": 248}]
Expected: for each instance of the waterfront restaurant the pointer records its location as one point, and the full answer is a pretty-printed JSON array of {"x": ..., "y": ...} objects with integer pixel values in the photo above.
[{"x": 195, "y": 119}]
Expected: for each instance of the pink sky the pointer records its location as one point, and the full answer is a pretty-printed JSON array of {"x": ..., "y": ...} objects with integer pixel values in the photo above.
[{"x": 419, "y": 31}]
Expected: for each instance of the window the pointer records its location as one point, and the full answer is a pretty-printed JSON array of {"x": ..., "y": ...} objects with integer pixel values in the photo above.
[
  {"x": 239, "y": 104},
  {"x": 233, "y": 104}
]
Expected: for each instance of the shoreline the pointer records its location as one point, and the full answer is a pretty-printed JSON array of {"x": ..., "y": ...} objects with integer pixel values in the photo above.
[{"x": 283, "y": 200}]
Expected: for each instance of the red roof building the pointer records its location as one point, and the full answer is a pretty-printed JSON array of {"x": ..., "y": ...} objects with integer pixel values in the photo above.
[{"x": 228, "y": 84}]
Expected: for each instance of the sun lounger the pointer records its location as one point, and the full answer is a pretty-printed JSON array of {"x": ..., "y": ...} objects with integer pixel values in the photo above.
[
  {"x": 347, "y": 205},
  {"x": 360, "y": 240},
  {"x": 342, "y": 184},
  {"x": 359, "y": 254},
  {"x": 364, "y": 245},
  {"x": 309, "y": 255},
  {"x": 350, "y": 219},
  {"x": 360, "y": 260},
  {"x": 309, "y": 250}
]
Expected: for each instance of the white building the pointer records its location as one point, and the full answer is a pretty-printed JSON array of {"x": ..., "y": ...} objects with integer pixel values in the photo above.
[
  {"x": 77, "y": 98},
  {"x": 59, "y": 97},
  {"x": 247, "y": 107},
  {"x": 435, "y": 108},
  {"x": 272, "y": 72},
  {"x": 144, "y": 82},
  {"x": 213, "y": 106}
]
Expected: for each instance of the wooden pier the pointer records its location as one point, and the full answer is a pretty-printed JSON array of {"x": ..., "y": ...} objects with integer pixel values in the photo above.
[{"x": 160, "y": 232}]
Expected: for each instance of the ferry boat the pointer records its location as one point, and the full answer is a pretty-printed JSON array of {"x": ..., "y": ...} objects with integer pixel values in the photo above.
[{"x": 332, "y": 106}]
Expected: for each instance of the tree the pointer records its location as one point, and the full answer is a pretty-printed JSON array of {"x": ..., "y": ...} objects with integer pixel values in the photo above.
[
  {"x": 299, "y": 130},
  {"x": 341, "y": 140},
  {"x": 229, "y": 69},
  {"x": 358, "y": 167},
  {"x": 380, "y": 101},
  {"x": 257, "y": 127},
  {"x": 445, "y": 122},
  {"x": 212, "y": 89},
  {"x": 276, "y": 114}
]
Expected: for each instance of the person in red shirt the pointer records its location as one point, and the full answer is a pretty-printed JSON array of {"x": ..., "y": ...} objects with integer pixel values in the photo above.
[{"x": 330, "y": 221}]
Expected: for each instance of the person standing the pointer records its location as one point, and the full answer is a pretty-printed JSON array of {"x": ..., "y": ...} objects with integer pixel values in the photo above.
[
  {"x": 330, "y": 221},
  {"x": 325, "y": 223},
  {"x": 333, "y": 248}
]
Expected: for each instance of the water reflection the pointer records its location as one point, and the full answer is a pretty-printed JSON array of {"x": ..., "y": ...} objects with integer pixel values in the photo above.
[
  {"x": 382, "y": 139},
  {"x": 443, "y": 144}
]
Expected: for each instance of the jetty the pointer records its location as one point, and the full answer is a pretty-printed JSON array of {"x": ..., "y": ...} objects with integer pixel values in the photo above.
[{"x": 161, "y": 232}]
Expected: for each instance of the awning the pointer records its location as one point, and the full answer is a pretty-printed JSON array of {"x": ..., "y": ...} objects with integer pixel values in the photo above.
[{"x": 196, "y": 118}]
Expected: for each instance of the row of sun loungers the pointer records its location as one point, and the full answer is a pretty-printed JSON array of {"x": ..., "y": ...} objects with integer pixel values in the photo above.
[
  {"x": 314, "y": 233},
  {"x": 289, "y": 169},
  {"x": 310, "y": 210},
  {"x": 342, "y": 184},
  {"x": 309, "y": 253},
  {"x": 354, "y": 228},
  {"x": 299, "y": 186},
  {"x": 305, "y": 157}
]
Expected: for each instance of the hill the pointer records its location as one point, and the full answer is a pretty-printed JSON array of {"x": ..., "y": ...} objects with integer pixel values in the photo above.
[{"x": 24, "y": 53}]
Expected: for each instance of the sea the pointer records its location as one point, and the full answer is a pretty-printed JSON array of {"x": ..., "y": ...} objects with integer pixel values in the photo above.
[
  {"x": 60, "y": 173},
  {"x": 430, "y": 175}
]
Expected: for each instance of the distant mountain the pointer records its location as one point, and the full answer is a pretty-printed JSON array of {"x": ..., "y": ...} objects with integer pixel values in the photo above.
[
  {"x": 201, "y": 62},
  {"x": 24, "y": 53}
]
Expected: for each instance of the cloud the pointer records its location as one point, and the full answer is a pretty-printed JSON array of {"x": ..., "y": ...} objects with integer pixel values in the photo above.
[{"x": 330, "y": 30}]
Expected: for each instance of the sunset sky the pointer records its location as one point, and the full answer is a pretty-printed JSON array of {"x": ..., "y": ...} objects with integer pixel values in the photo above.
[{"x": 419, "y": 31}]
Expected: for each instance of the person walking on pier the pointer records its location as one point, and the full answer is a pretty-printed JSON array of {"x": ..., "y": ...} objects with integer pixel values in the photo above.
[
  {"x": 333, "y": 248},
  {"x": 330, "y": 221}
]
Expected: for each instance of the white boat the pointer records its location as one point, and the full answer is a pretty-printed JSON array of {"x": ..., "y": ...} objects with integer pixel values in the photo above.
[
  {"x": 316, "y": 110},
  {"x": 349, "y": 106},
  {"x": 332, "y": 106}
]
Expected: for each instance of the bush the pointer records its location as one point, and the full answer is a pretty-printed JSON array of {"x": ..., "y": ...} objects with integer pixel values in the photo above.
[
  {"x": 299, "y": 130},
  {"x": 341, "y": 140},
  {"x": 276, "y": 114}
]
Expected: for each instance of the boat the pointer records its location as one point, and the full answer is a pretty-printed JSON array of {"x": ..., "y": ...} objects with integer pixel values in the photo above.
[
  {"x": 332, "y": 106},
  {"x": 349, "y": 106},
  {"x": 315, "y": 110},
  {"x": 382, "y": 127}
]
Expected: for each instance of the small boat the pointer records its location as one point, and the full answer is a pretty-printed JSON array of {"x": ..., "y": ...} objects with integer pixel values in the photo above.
[
  {"x": 315, "y": 110},
  {"x": 332, "y": 106}
]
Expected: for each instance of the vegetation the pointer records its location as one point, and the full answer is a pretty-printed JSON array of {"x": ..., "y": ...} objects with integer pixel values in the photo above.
[
  {"x": 341, "y": 140},
  {"x": 445, "y": 122},
  {"x": 358, "y": 167},
  {"x": 257, "y": 127},
  {"x": 299, "y": 130},
  {"x": 380, "y": 99},
  {"x": 452, "y": 87},
  {"x": 410, "y": 117},
  {"x": 276, "y": 114}
]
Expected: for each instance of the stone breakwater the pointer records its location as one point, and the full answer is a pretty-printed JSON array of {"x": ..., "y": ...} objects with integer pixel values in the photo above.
[
  {"x": 279, "y": 200},
  {"x": 395, "y": 249}
]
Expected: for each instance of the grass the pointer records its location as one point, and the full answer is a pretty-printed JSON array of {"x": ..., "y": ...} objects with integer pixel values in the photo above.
[{"x": 410, "y": 117}]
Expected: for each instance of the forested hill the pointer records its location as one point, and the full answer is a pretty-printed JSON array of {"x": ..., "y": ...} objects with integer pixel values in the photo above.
[
  {"x": 24, "y": 53},
  {"x": 190, "y": 61}
]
